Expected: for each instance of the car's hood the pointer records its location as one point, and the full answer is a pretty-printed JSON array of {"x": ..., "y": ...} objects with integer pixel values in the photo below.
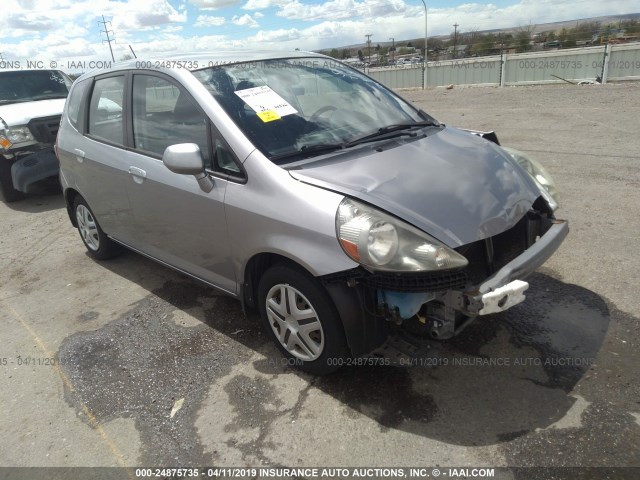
[
  {"x": 17, "y": 114},
  {"x": 453, "y": 185}
]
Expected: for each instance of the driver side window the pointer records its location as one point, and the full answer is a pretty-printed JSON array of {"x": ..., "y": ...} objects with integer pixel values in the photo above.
[{"x": 163, "y": 115}]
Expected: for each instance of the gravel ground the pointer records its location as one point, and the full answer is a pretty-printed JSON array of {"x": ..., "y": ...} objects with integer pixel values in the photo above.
[{"x": 134, "y": 342}]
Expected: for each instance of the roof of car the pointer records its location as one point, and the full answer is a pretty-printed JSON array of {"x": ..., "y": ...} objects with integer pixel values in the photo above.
[
  {"x": 199, "y": 60},
  {"x": 205, "y": 59}
]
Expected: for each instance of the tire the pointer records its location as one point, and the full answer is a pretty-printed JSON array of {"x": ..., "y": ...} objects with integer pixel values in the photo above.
[
  {"x": 7, "y": 192},
  {"x": 98, "y": 244},
  {"x": 321, "y": 347}
]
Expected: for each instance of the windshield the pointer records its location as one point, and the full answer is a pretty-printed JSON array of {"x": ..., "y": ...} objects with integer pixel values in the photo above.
[
  {"x": 302, "y": 104},
  {"x": 28, "y": 86}
]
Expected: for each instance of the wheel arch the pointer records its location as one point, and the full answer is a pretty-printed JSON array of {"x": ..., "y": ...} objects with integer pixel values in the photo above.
[
  {"x": 70, "y": 196},
  {"x": 363, "y": 331}
]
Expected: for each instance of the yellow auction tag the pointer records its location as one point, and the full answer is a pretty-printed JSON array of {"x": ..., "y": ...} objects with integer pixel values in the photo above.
[{"x": 268, "y": 116}]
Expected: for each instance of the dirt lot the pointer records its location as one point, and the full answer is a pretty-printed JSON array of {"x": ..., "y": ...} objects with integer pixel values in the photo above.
[{"x": 131, "y": 338}]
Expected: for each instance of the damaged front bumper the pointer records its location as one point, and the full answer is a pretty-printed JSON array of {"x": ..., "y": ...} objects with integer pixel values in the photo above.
[
  {"x": 505, "y": 288},
  {"x": 31, "y": 166},
  {"x": 445, "y": 311}
]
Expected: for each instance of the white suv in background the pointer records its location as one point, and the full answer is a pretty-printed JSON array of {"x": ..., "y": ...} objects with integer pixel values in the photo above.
[{"x": 31, "y": 104}]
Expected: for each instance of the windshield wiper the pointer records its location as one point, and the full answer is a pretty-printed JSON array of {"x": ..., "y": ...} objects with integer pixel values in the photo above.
[
  {"x": 397, "y": 128},
  {"x": 389, "y": 131},
  {"x": 309, "y": 150}
]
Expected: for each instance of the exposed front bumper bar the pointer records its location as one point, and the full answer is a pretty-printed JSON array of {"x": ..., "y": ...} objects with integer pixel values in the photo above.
[{"x": 483, "y": 299}]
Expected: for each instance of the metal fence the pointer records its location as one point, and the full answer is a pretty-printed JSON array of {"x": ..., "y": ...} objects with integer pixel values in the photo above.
[{"x": 606, "y": 62}]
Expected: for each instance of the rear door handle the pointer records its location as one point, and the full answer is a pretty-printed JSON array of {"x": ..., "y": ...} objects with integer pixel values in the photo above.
[
  {"x": 138, "y": 174},
  {"x": 79, "y": 155}
]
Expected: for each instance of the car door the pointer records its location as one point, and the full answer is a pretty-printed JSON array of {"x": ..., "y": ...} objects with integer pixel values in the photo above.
[
  {"x": 176, "y": 222},
  {"x": 99, "y": 157}
]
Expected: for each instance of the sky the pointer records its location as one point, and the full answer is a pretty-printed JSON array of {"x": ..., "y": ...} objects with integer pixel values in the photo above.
[{"x": 68, "y": 30}]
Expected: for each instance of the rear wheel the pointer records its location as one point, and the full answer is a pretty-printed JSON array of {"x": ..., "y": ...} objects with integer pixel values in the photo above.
[
  {"x": 302, "y": 320},
  {"x": 98, "y": 244},
  {"x": 7, "y": 192}
]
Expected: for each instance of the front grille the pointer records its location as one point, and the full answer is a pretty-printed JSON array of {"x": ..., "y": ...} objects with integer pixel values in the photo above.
[
  {"x": 418, "y": 282},
  {"x": 45, "y": 130},
  {"x": 404, "y": 282}
]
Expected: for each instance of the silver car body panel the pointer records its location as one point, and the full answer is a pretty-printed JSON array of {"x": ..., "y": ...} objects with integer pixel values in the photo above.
[{"x": 274, "y": 213}]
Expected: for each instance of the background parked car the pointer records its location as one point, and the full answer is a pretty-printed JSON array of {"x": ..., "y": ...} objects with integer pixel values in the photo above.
[{"x": 31, "y": 104}]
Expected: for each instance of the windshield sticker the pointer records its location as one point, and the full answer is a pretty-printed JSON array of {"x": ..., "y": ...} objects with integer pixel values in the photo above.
[
  {"x": 268, "y": 116},
  {"x": 267, "y": 104}
]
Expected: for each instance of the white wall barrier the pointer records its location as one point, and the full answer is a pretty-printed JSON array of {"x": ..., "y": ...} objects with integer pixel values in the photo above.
[{"x": 607, "y": 62}]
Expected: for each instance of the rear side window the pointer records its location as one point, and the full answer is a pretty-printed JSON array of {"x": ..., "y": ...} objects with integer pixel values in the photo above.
[
  {"x": 163, "y": 116},
  {"x": 105, "y": 110},
  {"x": 74, "y": 103}
]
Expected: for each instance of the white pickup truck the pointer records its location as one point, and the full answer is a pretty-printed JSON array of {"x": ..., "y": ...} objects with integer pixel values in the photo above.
[{"x": 31, "y": 104}]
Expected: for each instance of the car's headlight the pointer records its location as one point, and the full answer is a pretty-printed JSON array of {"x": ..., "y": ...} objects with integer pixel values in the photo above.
[
  {"x": 540, "y": 176},
  {"x": 15, "y": 137},
  {"x": 381, "y": 242}
]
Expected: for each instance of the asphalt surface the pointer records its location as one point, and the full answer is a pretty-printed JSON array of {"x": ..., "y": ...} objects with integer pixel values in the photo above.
[{"x": 126, "y": 363}]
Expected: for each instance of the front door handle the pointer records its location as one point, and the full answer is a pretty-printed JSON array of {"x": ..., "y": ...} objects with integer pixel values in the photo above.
[
  {"x": 138, "y": 174},
  {"x": 79, "y": 155}
]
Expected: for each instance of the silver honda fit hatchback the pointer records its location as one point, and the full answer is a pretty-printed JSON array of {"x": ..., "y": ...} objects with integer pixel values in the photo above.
[{"x": 307, "y": 190}]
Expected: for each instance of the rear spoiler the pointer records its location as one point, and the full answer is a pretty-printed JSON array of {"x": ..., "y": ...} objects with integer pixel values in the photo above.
[{"x": 491, "y": 136}]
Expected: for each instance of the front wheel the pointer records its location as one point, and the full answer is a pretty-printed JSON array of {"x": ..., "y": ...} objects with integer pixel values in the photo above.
[
  {"x": 301, "y": 318},
  {"x": 98, "y": 244}
]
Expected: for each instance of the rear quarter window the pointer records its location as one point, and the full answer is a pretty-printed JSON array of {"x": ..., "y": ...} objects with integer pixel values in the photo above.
[
  {"x": 74, "y": 103},
  {"x": 105, "y": 110}
]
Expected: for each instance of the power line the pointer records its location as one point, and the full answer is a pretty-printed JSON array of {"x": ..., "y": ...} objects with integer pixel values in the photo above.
[
  {"x": 106, "y": 32},
  {"x": 455, "y": 38}
]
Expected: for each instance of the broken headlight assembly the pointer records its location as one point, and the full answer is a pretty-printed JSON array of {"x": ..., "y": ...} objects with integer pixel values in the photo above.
[
  {"x": 379, "y": 241},
  {"x": 539, "y": 175}
]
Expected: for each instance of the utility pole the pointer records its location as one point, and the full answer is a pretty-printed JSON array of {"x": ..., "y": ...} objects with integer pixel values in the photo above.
[
  {"x": 455, "y": 40},
  {"x": 369, "y": 35},
  {"x": 425, "y": 60},
  {"x": 393, "y": 49},
  {"x": 106, "y": 32}
]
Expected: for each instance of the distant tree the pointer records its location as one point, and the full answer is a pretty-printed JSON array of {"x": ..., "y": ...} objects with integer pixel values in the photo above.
[
  {"x": 126, "y": 57},
  {"x": 346, "y": 53},
  {"x": 483, "y": 44},
  {"x": 523, "y": 40},
  {"x": 360, "y": 55},
  {"x": 567, "y": 38},
  {"x": 630, "y": 27},
  {"x": 334, "y": 53},
  {"x": 435, "y": 44}
]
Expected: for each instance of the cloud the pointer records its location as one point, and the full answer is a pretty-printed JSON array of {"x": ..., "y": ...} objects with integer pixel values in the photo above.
[
  {"x": 159, "y": 26},
  {"x": 209, "y": 21},
  {"x": 245, "y": 20},
  {"x": 271, "y": 36},
  {"x": 263, "y": 4},
  {"x": 213, "y": 4}
]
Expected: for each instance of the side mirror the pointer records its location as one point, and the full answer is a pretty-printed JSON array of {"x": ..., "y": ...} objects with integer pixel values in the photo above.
[{"x": 185, "y": 159}]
